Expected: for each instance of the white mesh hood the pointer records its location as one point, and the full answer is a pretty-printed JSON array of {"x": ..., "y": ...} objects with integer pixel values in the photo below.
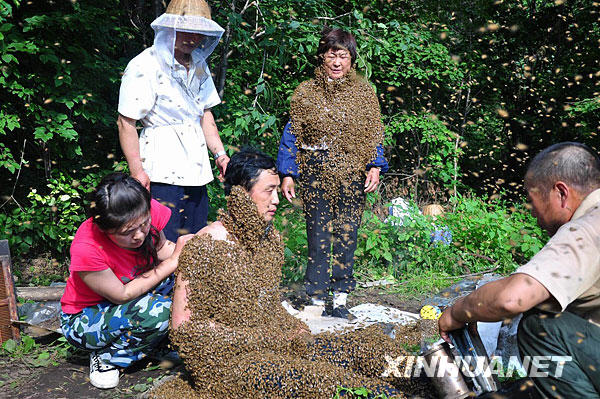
[{"x": 165, "y": 27}]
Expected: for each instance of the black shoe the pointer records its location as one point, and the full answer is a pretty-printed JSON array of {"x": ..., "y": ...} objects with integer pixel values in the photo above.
[
  {"x": 343, "y": 313},
  {"x": 327, "y": 310}
]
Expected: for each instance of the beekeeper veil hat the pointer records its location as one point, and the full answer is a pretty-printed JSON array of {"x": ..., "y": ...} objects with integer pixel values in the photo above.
[{"x": 191, "y": 16}]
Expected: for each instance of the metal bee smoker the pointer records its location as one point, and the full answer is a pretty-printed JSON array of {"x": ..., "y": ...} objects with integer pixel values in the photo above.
[
  {"x": 450, "y": 385},
  {"x": 467, "y": 366},
  {"x": 475, "y": 367}
]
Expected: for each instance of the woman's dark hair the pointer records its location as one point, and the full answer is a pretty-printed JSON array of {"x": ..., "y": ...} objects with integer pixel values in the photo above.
[
  {"x": 336, "y": 39},
  {"x": 244, "y": 168},
  {"x": 118, "y": 200}
]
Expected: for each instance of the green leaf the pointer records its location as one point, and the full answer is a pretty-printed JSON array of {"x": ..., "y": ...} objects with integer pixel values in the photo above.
[
  {"x": 27, "y": 343},
  {"x": 42, "y": 133},
  {"x": 140, "y": 387},
  {"x": 10, "y": 346}
]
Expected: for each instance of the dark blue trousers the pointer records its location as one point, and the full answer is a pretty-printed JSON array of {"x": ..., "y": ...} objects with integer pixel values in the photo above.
[
  {"x": 188, "y": 204},
  {"x": 331, "y": 231}
]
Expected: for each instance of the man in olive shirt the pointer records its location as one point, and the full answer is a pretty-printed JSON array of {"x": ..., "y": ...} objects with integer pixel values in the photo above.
[{"x": 559, "y": 288}]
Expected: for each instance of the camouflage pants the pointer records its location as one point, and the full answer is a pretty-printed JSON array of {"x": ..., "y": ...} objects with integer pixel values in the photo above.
[{"x": 122, "y": 334}]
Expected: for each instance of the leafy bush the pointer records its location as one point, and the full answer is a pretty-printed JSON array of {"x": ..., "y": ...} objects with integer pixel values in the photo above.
[
  {"x": 60, "y": 70},
  {"x": 292, "y": 226},
  {"x": 427, "y": 147},
  {"x": 48, "y": 222},
  {"x": 485, "y": 235}
]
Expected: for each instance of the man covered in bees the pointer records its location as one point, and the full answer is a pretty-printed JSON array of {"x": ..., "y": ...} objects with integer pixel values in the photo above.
[{"x": 235, "y": 337}]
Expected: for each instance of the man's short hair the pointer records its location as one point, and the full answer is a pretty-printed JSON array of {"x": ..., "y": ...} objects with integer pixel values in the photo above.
[
  {"x": 576, "y": 164},
  {"x": 244, "y": 168}
]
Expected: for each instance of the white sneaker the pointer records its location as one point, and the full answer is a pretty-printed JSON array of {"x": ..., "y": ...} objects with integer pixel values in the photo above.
[{"x": 102, "y": 375}]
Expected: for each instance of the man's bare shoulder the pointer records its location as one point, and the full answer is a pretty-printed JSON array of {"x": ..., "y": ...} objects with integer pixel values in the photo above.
[{"x": 216, "y": 230}]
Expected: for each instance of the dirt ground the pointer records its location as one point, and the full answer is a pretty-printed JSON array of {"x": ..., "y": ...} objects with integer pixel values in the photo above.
[{"x": 69, "y": 379}]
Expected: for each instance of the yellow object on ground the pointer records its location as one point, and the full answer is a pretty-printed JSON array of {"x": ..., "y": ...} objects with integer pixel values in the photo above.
[{"x": 429, "y": 312}]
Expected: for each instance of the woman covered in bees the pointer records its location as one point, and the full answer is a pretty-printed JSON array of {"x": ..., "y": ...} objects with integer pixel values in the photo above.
[{"x": 334, "y": 136}]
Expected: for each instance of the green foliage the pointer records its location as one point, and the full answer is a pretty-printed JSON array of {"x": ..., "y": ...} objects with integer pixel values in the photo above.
[
  {"x": 357, "y": 393},
  {"x": 291, "y": 224},
  {"x": 587, "y": 105},
  {"x": 12, "y": 348},
  {"x": 249, "y": 128},
  {"x": 54, "y": 81},
  {"x": 59, "y": 67},
  {"x": 509, "y": 235},
  {"x": 48, "y": 222},
  {"x": 429, "y": 147},
  {"x": 527, "y": 76},
  {"x": 34, "y": 354},
  {"x": 485, "y": 235}
]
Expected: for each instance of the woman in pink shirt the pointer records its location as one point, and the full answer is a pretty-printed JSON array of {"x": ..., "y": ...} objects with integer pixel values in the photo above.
[{"x": 117, "y": 300}]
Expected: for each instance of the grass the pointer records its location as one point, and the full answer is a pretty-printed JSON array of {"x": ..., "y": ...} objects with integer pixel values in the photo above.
[
  {"x": 419, "y": 283},
  {"x": 426, "y": 282}
]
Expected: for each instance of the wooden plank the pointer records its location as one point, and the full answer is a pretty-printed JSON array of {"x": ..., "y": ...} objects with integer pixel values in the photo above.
[
  {"x": 10, "y": 286},
  {"x": 40, "y": 293}
]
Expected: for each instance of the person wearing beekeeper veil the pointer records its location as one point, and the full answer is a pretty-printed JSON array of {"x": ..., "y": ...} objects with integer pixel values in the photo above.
[{"x": 168, "y": 88}]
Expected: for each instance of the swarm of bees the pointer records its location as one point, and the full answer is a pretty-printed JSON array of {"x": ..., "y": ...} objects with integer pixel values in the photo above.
[
  {"x": 342, "y": 115},
  {"x": 241, "y": 343}
]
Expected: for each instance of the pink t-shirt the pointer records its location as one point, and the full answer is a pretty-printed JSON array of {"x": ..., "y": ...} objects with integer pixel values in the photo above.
[{"x": 92, "y": 250}]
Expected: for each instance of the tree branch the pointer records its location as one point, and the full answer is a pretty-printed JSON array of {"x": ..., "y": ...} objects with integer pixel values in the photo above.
[
  {"x": 225, "y": 54},
  {"x": 262, "y": 71},
  {"x": 11, "y": 197},
  {"x": 333, "y": 18}
]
